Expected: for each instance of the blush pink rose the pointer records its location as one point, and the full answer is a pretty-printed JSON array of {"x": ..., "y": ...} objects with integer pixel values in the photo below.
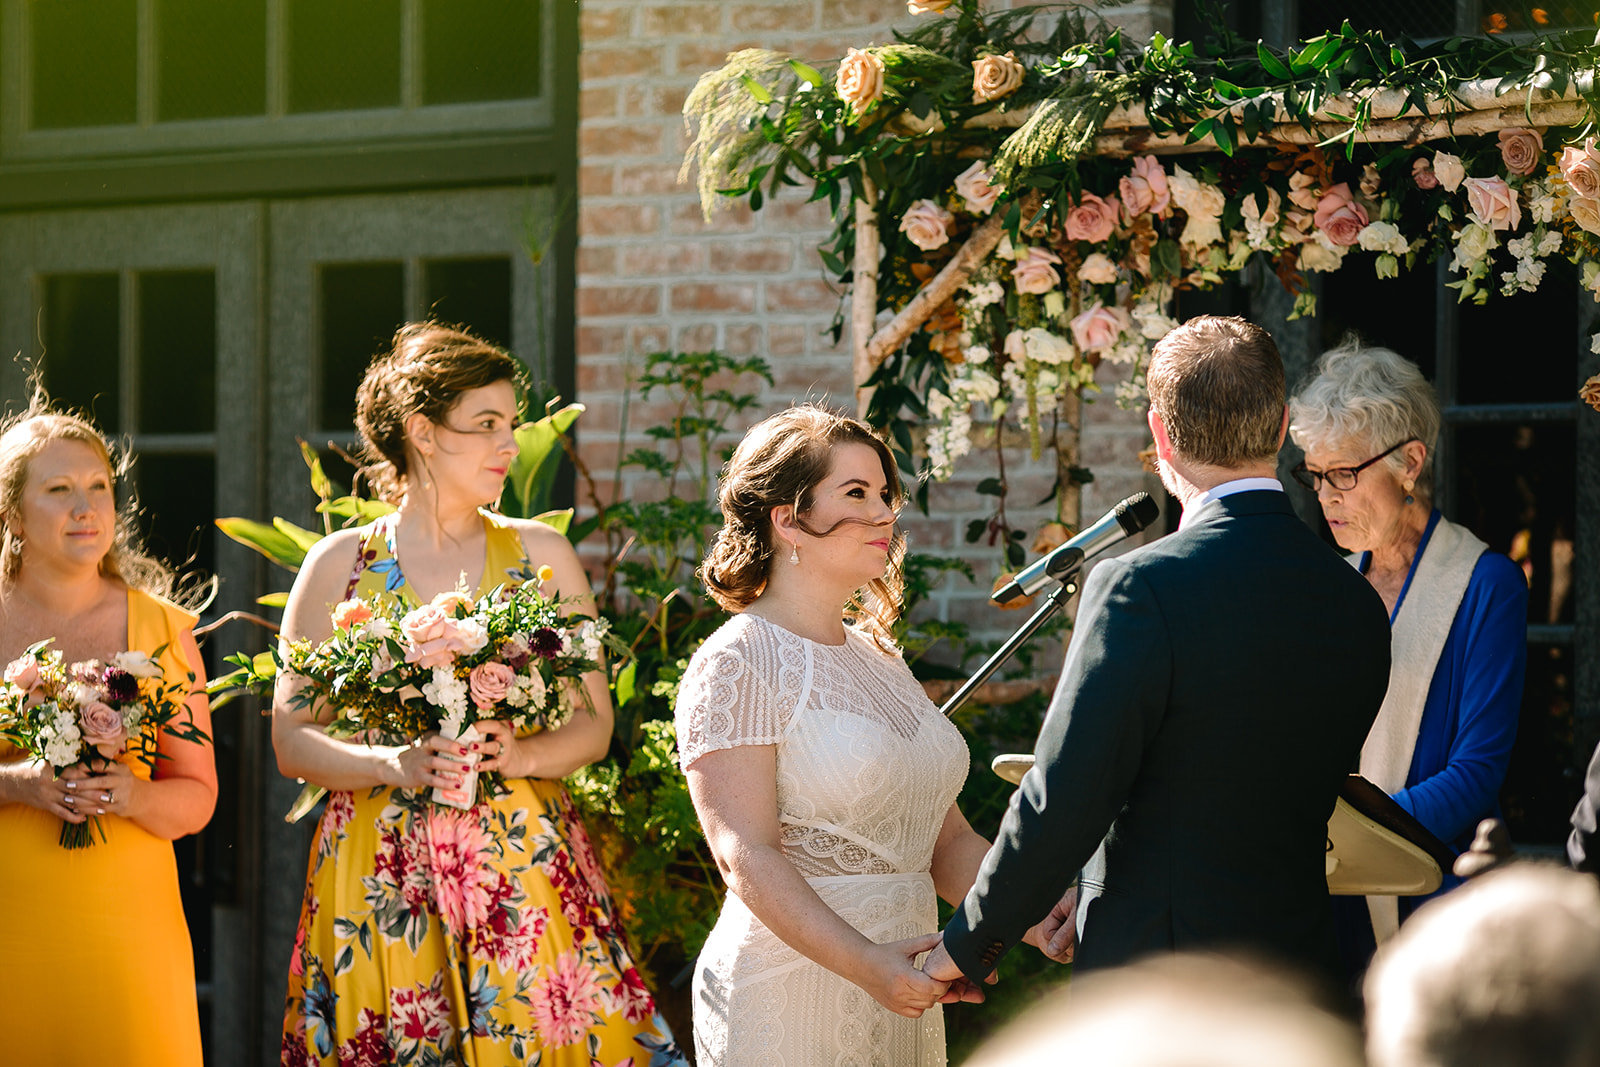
[
  {"x": 1093, "y": 219},
  {"x": 23, "y": 672},
  {"x": 1146, "y": 188},
  {"x": 1585, "y": 212},
  {"x": 101, "y": 725},
  {"x": 1422, "y": 174},
  {"x": 1340, "y": 216},
  {"x": 1581, "y": 168},
  {"x": 976, "y": 187},
  {"x": 859, "y": 81},
  {"x": 1521, "y": 149},
  {"x": 428, "y": 637},
  {"x": 1100, "y": 326},
  {"x": 1493, "y": 203},
  {"x": 927, "y": 225},
  {"x": 1035, "y": 270},
  {"x": 488, "y": 683}
]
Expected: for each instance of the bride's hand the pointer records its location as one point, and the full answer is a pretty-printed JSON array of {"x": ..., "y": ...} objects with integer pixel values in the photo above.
[
  {"x": 1057, "y": 934},
  {"x": 890, "y": 974}
]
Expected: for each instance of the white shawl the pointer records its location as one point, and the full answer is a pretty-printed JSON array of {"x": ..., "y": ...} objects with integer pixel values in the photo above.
[{"x": 1420, "y": 630}]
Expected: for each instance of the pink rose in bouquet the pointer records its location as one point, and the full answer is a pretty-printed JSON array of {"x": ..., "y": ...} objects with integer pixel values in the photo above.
[
  {"x": 452, "y": 601},
  {"x": 23, "y": 673},
  {"x": 1092, "y": 219},
  {"x": 1581, "y": 168},
  {"x": 1493, "y": 203},
  {"x": 976, "y": 187},
  {"x": 927, "y": 225},
  {"x": 1340, "y": 216},
  {"x": 101, "y": 725},
  {"x": 1100, "y": 326},
  {"x": 1422, "y": 174},
  {"x": 1035, "y": 270},
  {"x": 1521, "y": 149},
  {"x": 433, "y": 639},
  {"x": 488, "y": 683},
  {"x": 1146, "y": 188}
]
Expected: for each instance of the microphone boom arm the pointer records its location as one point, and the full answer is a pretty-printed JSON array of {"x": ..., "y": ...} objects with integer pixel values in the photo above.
[{"x": 1053, "y": 603}]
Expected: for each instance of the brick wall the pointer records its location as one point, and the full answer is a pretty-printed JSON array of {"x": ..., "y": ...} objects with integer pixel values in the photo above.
[{"x": 653, "y": 275}]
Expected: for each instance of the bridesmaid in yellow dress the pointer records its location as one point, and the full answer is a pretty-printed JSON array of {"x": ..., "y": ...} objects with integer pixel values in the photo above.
[
  {"x": 93, "y": 944},
  {"x": 430, "y": 935}
]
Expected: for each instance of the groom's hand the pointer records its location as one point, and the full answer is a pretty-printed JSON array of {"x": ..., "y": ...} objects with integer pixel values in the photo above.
[
  {"x": 940, "y": 966},
  {"x": 1057, "y": 935}
]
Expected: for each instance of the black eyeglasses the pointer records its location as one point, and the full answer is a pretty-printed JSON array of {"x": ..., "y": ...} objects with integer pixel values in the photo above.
[{"x": 1341, "y": 478}]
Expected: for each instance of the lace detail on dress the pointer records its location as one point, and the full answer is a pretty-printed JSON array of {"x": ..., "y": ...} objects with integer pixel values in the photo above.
[{"x": 867, "y": 766}]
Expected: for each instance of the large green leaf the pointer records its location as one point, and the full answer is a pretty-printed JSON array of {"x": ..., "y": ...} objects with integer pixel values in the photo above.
[
  {"x": 277, "y": 545},
  {"x": 362, "y": 510},
  {"x": 302, "y": 537},
  {"x": 560, "y": 520},
  {"x": 533, "y": 473}
]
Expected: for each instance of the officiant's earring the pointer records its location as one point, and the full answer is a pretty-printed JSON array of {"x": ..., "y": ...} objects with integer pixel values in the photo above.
[
  {"x": 794, "y": 553},
  {"x": 1409, "y": 486}
]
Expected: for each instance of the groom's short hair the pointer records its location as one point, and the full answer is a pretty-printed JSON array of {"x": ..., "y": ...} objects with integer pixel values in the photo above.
[{"x": 1217, "y": 382}]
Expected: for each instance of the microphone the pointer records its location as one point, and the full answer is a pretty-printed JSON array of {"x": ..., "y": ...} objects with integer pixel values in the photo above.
[{"x": 1124, "y": 520}]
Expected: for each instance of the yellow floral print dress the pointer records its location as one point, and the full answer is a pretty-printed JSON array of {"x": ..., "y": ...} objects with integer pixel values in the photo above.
[{"x": 433, "y": 936}]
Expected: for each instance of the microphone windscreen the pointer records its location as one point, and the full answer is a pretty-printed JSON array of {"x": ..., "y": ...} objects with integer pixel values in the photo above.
[{"x": 1137, "y": 512}]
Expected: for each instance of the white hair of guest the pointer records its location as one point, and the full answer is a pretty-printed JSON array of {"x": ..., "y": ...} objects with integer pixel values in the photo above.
[
  {"x": 1363, "y": 400},
  {"x": 1503, "y": 972}
]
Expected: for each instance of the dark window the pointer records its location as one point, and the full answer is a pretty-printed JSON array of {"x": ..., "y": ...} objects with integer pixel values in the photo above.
[
  {"x": 84, "y": 61},
  {"x": 178, "y": 352},
  {"x": 476, "y": 50},
  {"x": 1415, "y": 18},
  {"x": 177, "y": 502},
  {"x": 359, "y": 306},
  {"x": 343, "y": 54},
  {"x": 80, "y": 340},
  {"x": 473, "y": 292},
  {"x": 213, "y": 58}
]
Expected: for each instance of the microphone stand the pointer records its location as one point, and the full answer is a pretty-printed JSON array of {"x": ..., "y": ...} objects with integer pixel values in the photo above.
[{"x": 1053, "y": 603}]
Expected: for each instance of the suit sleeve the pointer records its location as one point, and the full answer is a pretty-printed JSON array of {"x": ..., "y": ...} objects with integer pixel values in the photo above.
[{"x": 1108, "y": 704}]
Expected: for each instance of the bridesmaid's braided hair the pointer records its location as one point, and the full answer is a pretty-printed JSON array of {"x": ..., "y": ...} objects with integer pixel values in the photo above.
[
  {"x": 427, "y": 368},
  {"x": 780, "y": 462}
]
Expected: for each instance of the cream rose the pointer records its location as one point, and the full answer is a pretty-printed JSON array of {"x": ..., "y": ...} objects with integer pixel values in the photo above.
[
  {"x": 1581, "y": 168},
  {"x": 1092, "y": 219},
  {"x": 1034, "y": 270},
  {"x": 927, "y": 225},
  {"x": 1449, "y": 170},
  {"x": 1422, "y": 174},
  {"x": 926, "y": 7},
  {"x": 1371, "y": 180},
  {"x": 1100, "y": 326},
  {"x": 1202, "y": 203},
  {"x": 452, "y": 601},
  {"x": 1383, "y": 237},
  {"x": 1303, "y": 191},
  {"x": 1097, "y": 269},
  {"x": 1146, "y": 188},
  {"x": 859, "y": 81},
  {"x": 1521, "y": 149},
  {"x": 1340, "y": 216},
  {"x": 102, "y": 727},
  {"x": 1586, "y": 212},
  {"x": 1493, "y": 203},
  {"x": 488, "y": 683},
  {"x": 23, "y": 672},
  {"x": 1316, "y": 256},
  {"x": 995, "y": 77},
  {"x": 1473, "y": 243},
  {"x": 976, "y": 187}
]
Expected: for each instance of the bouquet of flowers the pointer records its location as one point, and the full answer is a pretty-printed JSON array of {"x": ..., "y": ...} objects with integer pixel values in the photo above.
[
  {"x": 393, "y": 674},
  {"x": 89, "y": 713}
]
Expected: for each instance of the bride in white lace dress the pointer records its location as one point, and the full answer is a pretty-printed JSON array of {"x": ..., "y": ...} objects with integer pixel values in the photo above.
[{"x": 824, "y": 777}]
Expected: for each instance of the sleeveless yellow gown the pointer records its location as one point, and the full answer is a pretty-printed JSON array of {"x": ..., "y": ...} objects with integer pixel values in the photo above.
[
  {"x": 480, "y": 937},
  {"x": 95, "y": 952}
]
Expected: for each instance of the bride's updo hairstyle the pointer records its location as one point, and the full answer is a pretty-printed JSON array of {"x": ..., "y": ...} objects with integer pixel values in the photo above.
[
  {"x": 427, "y": 368},
  {"x": 780, "y": 462}
]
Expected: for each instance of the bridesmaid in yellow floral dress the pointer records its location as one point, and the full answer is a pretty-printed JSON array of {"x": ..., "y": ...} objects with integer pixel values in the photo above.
[
  {"x": 430, "y": 935},
  {"x": 93, "y": 944}
]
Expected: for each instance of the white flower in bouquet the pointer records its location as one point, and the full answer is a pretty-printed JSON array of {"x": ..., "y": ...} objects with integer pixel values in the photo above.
[
  {"x": 378, "y": 628},
  {"x": 1449, "y": 170},
  {"x": 1472, "y": 244},
  {"x": 1589, "y": 277},
  {"x": 382, "y": 662},
  {"x": 984, "y": 294},
  {"x": 472, "y": 633},
  {"x": 1259, "y": 224},
  {"x": 1321, "y": 254},
  {"x": 1153, "y": 322},
  {"x": 1046, "y": 348},
  {"x": 1097, "y": 269},
  {"x": 138, "y": 664},
  {"x": 446, "y": 691},
  {"x": 589, "y": 636},
  {"x": 1383, "y": 237},
  {"x": 530, "y": 691},
  {"x": 1203, "y": 204},
  {"x": 1129, "y": 393}
]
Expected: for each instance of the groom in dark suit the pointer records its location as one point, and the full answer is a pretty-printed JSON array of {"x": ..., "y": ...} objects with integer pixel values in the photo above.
[{"x": 1217, "y": 689}]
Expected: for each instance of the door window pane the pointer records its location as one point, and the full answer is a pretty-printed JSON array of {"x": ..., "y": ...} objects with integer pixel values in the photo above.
[
  {"x": 475, "y": 293},
  {"x": 1520, "y": 348},
  {"x": 360, "y": 305},
  {"x": 80, "y": 331},
  {"x": 211, "y": 58},
  {"x": 178, "y": 352},
  {"x": 83, "y": 62},
  {"x": 177, "y": 501},
  {"x": 1545, "y": 775},
  {"x": 480, "y": 50},
  {"x": 343, "y": 54},
  {"x": 1394, "y": 313},
  {"x": 1419, "y": 18}
]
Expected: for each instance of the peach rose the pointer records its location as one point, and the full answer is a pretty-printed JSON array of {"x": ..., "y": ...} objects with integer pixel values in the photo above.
[
  {"x": 452, "y": 601},
  {"x": 859, "y": 81},
  {"x": 1449, "y": 170},
  {"x": 23, "y": 672},
  {"x": 350, "y": 613},
  {"x": 1100, "y": 326},
  {"x": 1493, "y": 203},
  {"x": 427, "y": 634},
  {"x": 1092, "y": 219},
  {"x": 488, "y": 683},
  {"x": 1340, "y": 216},
  {"x": 994, "y": 77},
  {"x": 1422, "y": 174},
  {"x": 1097, "y": 269},
  {"x": 927, "y": 225},
  {"x": 102, "y": 727},
  {"x": 1035, "y": 270},
  {"x": 926, "y": 7},
  {"x": 1303, "y": 191},
  {"x": 1521, "y": 149},
  {"x": 1581, "y": 168},
  {"x": 976, "y": 187},
  {"x": 1146, "y": 188},
  {"x": 1586, "y": 212}
]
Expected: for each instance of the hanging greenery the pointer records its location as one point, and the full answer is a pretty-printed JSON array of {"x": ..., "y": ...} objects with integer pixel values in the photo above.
[{"x": 1021, "y": 193}]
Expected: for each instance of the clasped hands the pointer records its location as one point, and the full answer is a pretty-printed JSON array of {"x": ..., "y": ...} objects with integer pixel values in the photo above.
[
  {"x": 439, "y": 761},
  {"x": 1056, "y": 936}
]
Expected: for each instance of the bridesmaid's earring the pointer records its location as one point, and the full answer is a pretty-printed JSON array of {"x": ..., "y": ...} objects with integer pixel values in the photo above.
[{"x": 794, "y": 553}]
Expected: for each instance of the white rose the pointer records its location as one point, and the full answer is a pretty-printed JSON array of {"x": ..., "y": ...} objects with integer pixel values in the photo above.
[
  {"x": 1449, "y": 170},
  {"x": 1383, "y": 237},
  {"x": 1314, "y": 255},
  {"x": 1097, "y": 269},
  {"x": 1474, "y": 242},
  {"x": 138, "y": 664},
  {"x": 1045, "y": 347}
]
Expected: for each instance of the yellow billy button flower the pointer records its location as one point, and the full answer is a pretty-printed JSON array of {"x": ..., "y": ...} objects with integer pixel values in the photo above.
[{"x": 546, "y": 573}]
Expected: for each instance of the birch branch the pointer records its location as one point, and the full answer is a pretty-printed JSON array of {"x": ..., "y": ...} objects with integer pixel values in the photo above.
[{"x": 864, "y": 291}]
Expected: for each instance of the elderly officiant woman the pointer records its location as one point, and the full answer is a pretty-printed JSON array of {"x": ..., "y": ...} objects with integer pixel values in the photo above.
[{"x": 1368, "y": 421}]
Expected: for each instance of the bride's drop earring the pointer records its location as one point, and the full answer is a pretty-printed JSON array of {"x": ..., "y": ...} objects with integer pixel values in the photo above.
[{"x": 794, "y": 554}]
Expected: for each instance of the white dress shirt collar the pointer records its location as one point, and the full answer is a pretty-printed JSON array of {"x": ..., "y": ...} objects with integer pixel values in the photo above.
[{"x": 1217, "y": 492}]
